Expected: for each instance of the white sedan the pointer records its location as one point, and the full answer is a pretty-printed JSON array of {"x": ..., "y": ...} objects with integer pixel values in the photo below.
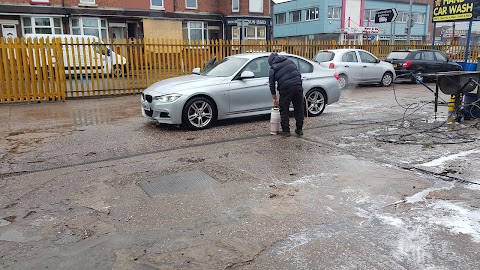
[
  {"x": 236, "y": 86},
  {"x": 356, "y": 66}
]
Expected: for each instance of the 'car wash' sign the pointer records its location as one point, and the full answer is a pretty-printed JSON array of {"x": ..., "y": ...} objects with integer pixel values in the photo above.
[{"x": 453, "y": 10}]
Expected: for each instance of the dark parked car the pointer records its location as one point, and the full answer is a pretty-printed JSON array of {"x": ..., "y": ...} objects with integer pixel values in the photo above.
[{"x": 411, "y": 64}]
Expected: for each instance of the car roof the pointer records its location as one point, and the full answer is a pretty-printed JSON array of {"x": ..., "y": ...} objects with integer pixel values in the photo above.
[
  {"x": 415, "y": 50},
  {"x": 341, "y": 50},
  {"x": 260, "y": 54}
]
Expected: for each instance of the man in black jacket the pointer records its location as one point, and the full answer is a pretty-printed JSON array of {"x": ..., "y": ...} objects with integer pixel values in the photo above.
[{"x": 289, "y": 85}]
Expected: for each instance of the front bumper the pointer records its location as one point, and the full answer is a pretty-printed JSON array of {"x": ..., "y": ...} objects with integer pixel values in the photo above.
[{"x": 164, "y": 113}]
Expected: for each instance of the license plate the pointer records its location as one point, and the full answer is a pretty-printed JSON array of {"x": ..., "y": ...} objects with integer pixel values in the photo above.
[
  {"x": 145, "y": 105},
  {"x": 394, "y": 65}
]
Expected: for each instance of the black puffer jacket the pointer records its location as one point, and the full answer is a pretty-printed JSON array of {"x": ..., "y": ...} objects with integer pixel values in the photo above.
[{"x": 284, "y": 72}]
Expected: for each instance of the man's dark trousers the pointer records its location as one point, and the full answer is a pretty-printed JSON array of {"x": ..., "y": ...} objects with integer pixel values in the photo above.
[{"x": 294, "y": 95}]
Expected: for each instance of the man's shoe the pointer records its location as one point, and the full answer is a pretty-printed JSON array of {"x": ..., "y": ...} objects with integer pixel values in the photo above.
[
  {"x": 284, "y": 133},
  {"x": 299, "y": 132}
]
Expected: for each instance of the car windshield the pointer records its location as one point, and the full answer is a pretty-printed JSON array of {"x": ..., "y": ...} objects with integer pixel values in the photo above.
[
  {"x": 398, "y": 55},
  {"x": 225, "y": 67},
  {"x": 324, "y": 56}
]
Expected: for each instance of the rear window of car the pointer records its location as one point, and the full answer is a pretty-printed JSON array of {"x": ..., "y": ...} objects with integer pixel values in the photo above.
[
  {"x": 398, "y": 55},
  {"x": 324, "y": 56}
]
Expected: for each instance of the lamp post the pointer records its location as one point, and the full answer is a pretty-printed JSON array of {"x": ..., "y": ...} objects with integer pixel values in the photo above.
[{"x": 409, "y": 23}]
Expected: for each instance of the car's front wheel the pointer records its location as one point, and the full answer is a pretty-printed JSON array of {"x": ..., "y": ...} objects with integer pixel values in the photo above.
[
  {"x": 199, "y": 113},
  {"x": 387, "y": 79},
  {"x": 342, "y": 81},
  {"x": 315, "y": 102}
]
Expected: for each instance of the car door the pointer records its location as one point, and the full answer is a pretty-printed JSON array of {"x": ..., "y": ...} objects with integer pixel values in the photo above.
[
  {"x": 351, "y": 66},
  {"x": 305, "y": 70},
  {"x": 252, "y": 94},
  {"x": 442, "y": 59},
  {"x": 429, "y": 58},
  {"x": 372, "y": 71}
]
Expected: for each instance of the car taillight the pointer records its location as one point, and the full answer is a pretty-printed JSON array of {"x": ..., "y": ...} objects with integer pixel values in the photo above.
[
  {"x": 332, "y": 66},
  {"x": 407, "y": 64},
  {"x": 336, "y": 76}
]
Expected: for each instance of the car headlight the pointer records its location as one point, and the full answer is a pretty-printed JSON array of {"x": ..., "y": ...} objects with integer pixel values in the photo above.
[{"x": 168, "y": 98}]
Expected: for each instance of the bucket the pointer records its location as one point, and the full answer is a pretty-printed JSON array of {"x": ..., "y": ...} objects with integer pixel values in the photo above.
[
  {"x": 472, "y": 105},
  {"x": 274, "y": 121}
]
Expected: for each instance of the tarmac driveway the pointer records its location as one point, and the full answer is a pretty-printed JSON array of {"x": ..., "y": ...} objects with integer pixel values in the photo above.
[{"x": 376, "y": 183}]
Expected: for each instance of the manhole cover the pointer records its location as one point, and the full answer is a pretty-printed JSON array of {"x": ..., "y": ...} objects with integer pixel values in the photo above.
[{"x": 177, "y": 183}]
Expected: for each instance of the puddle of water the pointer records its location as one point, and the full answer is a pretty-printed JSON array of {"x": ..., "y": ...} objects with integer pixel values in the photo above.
[
  {"x": 13, "y": 236},
  {"x": 420, "y": 196},
  {"x": 3, "y": 222}
]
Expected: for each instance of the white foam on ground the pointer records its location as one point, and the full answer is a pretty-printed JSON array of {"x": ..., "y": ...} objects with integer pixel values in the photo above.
[{"x": 440, "y": 161}]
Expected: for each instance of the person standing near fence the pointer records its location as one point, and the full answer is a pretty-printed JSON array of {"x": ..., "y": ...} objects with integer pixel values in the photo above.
[{"x": 285, "y": 76}]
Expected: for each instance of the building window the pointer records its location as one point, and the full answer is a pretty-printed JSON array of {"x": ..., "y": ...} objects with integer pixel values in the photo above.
[
  {"x": 195, "y": 30},
  {"x": 369, "y": 14},
  {"x": 191, "y": 4},
  {"x": 87, "y": 1},
  {"x": 403, "y": 17},
  {"x": 40, "y": 1},
  {"x": 311, "y": 14},
  {"x": 42, "y": 25},
  {"x": 281, "y": 18},
  {"x": 252, "y": 32},
  {"x": 90, "y": 27},
  {"x": 296, "y": 16},
  {"x": 156, "y": 4},
  {"x": 419, "y": 18},
  {"x": 235, "y": 5},
  {"x": 334, "y": 13},
  {"x": 255, "y": 6}
]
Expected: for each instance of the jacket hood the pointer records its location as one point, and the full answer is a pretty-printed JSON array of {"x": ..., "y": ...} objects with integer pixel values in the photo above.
[{"x": 275, "y": 58}]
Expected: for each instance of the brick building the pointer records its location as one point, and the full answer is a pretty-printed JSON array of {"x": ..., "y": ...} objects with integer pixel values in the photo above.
[{"x": 167, "y": 19}]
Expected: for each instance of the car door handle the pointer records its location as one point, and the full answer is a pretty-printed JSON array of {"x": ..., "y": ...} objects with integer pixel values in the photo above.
[
  {"x": 347, "y": 66},
  {"x": 305, "y": 78},
  {"x": 364, "y": 66}
]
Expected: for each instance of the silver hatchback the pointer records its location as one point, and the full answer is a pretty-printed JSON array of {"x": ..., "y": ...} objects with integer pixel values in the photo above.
[
  {"x": 236, "y": 86},
  {"x": 356, "y": 66}
]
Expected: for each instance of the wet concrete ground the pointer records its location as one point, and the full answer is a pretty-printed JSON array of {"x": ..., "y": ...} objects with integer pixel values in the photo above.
[{"x": 371, "y": 185}]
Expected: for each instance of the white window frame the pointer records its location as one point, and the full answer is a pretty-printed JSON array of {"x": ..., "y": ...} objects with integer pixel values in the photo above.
[
  {"x": 204, "y": 29},
  {"x": 403, "y": 17},
  {"x": 237, "y": 2},
  {"x": 281, "y": 14},
  {"x": 88, "y": 2},
  {"x": 251, "y": 6},
  {"x": 40, "y": 1},
  {"x": 82, "y": 28},
  {"x": 236, "y": 32},
  {"x": 336, "y": 13},
  {"x": 371, "y": 14},
  {"x": 162, "y": 6},
  {"x": 33, "y": 27},
  {"x": 419, "y": 18},
  {"x": 308, "y": 13},
  {"x": 291, "y": 16},
  {"x": 187, "y": 7}
]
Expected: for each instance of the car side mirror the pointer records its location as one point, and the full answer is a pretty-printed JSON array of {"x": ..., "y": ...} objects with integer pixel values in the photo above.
[
  {"x": 196, "y": 71},
  {"x": 247, "y": 75},
  {"x": 377, "y": 61}
]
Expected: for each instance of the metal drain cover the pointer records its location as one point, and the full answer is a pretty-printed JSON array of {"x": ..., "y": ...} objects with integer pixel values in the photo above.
[{"x": 177, "y": 183}]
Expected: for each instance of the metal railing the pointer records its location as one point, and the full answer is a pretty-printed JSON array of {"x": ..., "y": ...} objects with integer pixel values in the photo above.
[{"x": 55, "y": 69}]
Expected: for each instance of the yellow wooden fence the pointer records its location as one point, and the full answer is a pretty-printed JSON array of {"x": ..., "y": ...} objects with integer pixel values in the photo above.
[{"x": 49, "y": 70}]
